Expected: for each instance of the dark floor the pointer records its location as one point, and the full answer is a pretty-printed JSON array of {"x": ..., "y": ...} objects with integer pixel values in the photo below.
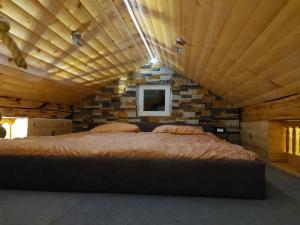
[{"x": 30, "y": 208}]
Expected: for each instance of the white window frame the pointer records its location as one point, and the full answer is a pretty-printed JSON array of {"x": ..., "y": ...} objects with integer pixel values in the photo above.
[{"x": 168, "y": 100}]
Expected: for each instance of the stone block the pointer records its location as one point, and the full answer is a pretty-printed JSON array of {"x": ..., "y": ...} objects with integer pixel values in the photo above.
[
  {"x": 192, "y": 121},
  {"x": 188, "y": 114}
]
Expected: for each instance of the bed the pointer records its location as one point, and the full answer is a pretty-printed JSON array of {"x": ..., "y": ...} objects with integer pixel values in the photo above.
[{"x": 166, "y": 164}]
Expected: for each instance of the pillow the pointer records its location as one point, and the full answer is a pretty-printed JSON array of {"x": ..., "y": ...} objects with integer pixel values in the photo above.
[
  {"x": 174, "y": 129},
  {"x": 115, "y": 127}
]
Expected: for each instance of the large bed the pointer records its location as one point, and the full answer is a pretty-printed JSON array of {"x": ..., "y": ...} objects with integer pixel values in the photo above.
[{"x": 139, "y": 163}]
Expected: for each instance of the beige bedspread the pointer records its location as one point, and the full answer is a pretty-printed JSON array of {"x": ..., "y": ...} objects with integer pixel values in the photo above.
[{"x": 147, "y": 144}]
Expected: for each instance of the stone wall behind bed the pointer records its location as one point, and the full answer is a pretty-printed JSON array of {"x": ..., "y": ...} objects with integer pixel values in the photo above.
[{"x": 191, "y": 104}]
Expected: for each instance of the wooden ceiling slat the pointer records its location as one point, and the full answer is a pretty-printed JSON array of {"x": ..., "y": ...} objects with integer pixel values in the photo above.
[
  {"x": 11, "y": 70},
  {"x": 124, "y": 27},
  {"x": 161, "y": 29},
  {"x": 175, "y": 23},
  {"x": 257, "y": 24},
  {"x": 278, "y": 52},
  {"x": 150, "y": 40},
  {"x": 188, "y": 9},
  {"x": 144, "y": 13},
  {"x": 284, "y": 66},
  {"x": 287, "y": 90},
  {"x": 239, "y": 16},
  {"x": 281, "y": 26},
  {"x": 83, "y": 17},
  {"x": 89, "y": 45},
  {"x": 220, "y": 15},
  {"x": 202, "y": 16},
  {"x": 245, "y": 51},
  {"x": 58, "y": 41}
]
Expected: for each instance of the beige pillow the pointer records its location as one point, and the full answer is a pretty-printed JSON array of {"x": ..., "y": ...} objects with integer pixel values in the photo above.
[
  {"x": 175, "y": 129},
  {"x": 115, "y": 127}
]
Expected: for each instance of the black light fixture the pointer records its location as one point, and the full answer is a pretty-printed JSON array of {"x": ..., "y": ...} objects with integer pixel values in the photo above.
[
  {"x": 179, "y": 44},
  {"x": 76, "y": 37}
]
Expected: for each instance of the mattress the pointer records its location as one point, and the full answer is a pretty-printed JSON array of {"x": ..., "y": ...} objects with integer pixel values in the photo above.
[
  {"x": 130, "y": 145},
  {"x": 134, "y": 163}
]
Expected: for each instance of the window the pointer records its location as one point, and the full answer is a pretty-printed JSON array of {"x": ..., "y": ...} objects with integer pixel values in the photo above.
[
  {"x": 154, "y": 100},
  {"x": 15, "y": 127}
]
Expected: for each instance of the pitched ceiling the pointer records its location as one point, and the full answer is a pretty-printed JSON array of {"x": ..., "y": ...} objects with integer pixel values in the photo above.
[
  {"x": 42, "y": 30},
  {"x": 246, "y": 51}
]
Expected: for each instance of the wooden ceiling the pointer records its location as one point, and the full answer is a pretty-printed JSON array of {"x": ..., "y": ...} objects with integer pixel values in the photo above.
[
  {"x": 111, "y": 47},
  {"x": 246, "y": 51}
]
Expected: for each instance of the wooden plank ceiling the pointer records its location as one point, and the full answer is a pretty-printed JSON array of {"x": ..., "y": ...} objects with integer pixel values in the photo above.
[
  {"x": 246, "y": 51},
  {"x": 58, "y": 70}
]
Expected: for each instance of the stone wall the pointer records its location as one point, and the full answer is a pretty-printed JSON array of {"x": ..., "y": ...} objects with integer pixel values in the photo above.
[{"x": 191, "y": 104}]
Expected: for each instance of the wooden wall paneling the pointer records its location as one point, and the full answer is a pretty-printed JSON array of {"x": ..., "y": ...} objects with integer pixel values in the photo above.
[
  {"x": 48, "y": 127},
  {"x": 254, "y": 136},
  {"x": 284, "y": 91},
  {"x": 29, "y": 85},
  {"x": 11, "y": 70},
  {"x": 13, "y": 107},
  {"x": 265, "y": 138},
  {"x": 287, "y": 108}
]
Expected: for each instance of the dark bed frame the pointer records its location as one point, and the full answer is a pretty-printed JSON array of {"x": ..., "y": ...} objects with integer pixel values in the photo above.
[{"x": 217, "y": 178}]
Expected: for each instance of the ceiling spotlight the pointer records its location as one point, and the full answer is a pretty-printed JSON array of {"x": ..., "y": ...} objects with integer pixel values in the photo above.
[
  {"x": 179, "y": 44},
  {"x": 76, "y": 38}
]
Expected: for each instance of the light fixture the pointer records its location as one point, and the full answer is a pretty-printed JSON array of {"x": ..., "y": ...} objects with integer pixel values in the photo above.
[
  {"x": 154, "y": 61},
  {"x": 76, "y": 38},
  {"x": 179, "y": 44},
  {"x": 131, "y": 13}
]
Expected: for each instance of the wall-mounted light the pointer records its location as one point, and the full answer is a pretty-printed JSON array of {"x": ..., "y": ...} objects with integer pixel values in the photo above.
[
  {"x": 76, "y": 38},
  {"x": 179, "y": 44}
]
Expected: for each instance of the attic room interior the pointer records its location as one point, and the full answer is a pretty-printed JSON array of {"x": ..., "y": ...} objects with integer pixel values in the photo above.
[{"x": 149, "y": 112}]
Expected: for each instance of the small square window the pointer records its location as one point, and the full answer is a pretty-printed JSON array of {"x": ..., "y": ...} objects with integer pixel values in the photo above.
[{"x": 154, "y": 100}]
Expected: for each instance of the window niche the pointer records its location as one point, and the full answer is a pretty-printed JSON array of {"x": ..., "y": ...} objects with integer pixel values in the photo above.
[{"x": 154, "y": 100}]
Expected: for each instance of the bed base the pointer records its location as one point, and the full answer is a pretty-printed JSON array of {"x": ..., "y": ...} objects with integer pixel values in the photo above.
[{"x": 217, "y": 178}]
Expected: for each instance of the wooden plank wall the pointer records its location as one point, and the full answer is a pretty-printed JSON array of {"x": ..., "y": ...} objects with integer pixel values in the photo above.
[
  {"x": 265, "y": 138},
  {"x": 13, "y": 107},
  {"x": 286, "y": 108},
  {"x": 262, "y": 127}
]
